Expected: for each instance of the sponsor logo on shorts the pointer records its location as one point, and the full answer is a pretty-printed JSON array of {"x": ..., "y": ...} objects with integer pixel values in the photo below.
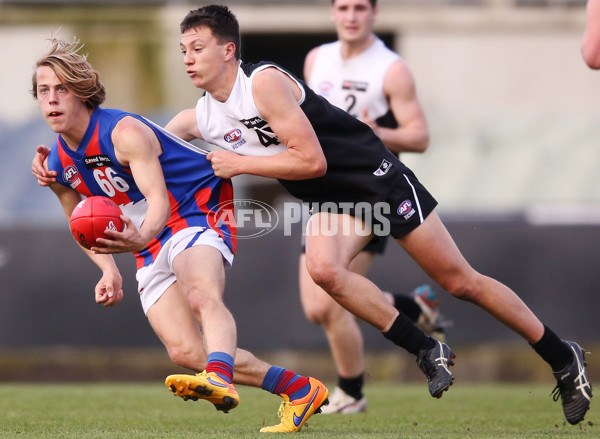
[
  {"x": 383, "y": 168},
  {"x": 406, "y": 210}
]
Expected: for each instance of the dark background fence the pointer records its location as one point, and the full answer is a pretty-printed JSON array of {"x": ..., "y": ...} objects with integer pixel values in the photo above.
[{"x": 47, "y": 285}]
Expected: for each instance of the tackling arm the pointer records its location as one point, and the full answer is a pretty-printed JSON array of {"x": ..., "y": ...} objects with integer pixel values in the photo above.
[
  {"x": 184, "y": 125},
  {"x": 276, "y": 97}
]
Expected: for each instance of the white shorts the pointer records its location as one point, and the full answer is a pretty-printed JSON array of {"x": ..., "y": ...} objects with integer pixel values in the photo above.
[{"x": 154, "y": 279}]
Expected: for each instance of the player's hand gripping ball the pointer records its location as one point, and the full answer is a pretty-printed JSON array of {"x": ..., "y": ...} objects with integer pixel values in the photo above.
[{"x": 91, "y": 217}]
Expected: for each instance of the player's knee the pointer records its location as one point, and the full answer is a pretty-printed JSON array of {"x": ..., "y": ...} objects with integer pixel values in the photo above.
[
  {"x": 318, "y": 311},
  {"x": 326, "y": 275},
  {"x": 200, "y": 300},
  {"x": 462, "y": 287}
]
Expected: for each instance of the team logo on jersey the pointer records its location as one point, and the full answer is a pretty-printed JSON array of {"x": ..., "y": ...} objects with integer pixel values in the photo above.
[
  {"x": 325, "y": 87},
  {"x": 234, "y": 138},
  {"x": 71, "y": 175},
  {"x": 97, "y": 161},
  {"x": 383, "y": 168},
  {"x": 354, "y": 85},
  {"x": 405, "y": 209}
]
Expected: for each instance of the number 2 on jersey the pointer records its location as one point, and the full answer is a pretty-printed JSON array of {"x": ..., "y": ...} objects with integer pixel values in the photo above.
[{"x": 351, "y": 100}]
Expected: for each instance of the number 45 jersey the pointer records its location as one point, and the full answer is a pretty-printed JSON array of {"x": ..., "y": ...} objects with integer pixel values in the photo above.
[
  {"x": 359, "y": 166},
  {"x": 195, "y": 193}
]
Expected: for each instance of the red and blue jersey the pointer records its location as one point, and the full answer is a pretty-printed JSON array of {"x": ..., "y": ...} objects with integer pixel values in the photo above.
[{"x": 195, "y": 193}]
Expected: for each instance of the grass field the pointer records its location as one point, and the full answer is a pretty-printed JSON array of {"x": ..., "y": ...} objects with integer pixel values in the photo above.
[{"x": 112, "y": 410}]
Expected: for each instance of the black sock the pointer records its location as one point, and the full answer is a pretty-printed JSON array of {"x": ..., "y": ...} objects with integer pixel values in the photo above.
[
  {"x": 406, "y": 335},
  {"x": 553, "y": 350},
  {"x": 407, "y": 306},
  {"x": 352, "y": 386}
]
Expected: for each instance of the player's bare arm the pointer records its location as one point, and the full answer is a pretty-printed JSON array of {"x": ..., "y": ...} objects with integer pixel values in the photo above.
[
  {"x": 137, "y": 146},
  {"x": 276, "y": 97},
  {"x": 108, "y": 290},
  {"x": 590, "y": 45},
  {"x": 309, "y": 62},
  {"x": 412, "y": 135},
  {"x": 184, "y": 125}
]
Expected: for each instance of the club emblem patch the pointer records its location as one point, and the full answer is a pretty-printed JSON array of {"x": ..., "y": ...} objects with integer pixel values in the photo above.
[{"x": 383, "y": 168}]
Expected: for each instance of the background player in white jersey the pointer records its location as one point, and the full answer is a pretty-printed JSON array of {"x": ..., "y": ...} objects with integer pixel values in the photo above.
[
  {"x": 590, "y": 44},
  {"x": 359, "y": 74},
  {"x": 181, "y": 252}
]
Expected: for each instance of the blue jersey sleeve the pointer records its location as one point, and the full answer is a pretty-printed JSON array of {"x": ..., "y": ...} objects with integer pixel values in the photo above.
[{"x": 54, "y": 164}]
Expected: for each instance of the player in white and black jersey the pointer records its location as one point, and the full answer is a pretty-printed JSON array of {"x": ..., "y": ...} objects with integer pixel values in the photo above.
[
  {"x": 347, "y": 143},
  {"x": 322, "y": 154},
  {"x": 360, "y": 75}
]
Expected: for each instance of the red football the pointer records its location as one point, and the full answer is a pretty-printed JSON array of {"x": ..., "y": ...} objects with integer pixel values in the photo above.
[{"x": 91, "y": 217}]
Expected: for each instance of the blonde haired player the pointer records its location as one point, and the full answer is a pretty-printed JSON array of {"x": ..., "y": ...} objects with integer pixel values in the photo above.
[{"x": 167, "y": 190}]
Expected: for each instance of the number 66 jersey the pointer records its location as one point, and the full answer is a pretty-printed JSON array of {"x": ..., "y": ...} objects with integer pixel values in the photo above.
[{"x": 195, "y": 193}]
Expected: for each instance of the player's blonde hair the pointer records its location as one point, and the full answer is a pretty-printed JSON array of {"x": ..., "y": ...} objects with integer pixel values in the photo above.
[{"x": 74, "y": 71}]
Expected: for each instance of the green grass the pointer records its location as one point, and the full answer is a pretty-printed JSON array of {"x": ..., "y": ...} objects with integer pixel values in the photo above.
[{"x": 395, "y": 411}]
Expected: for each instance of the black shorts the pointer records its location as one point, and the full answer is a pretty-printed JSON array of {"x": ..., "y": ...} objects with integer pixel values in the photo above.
[
  {"x": 376, "y": 245},
  {"x": 410, "y": 203},
  {"x": 394, "y": 205}
]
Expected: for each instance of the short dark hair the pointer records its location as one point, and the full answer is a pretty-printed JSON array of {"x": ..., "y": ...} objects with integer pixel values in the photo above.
[{"x": 220, "y": 20}]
